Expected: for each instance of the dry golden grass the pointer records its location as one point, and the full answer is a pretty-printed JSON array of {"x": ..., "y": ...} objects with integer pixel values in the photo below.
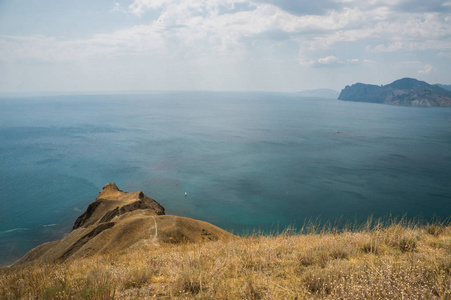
[{"x": 399, "y": 261}]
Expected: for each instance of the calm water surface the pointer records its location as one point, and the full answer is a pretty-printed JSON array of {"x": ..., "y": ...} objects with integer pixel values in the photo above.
[{"x": 248, "y": 161}]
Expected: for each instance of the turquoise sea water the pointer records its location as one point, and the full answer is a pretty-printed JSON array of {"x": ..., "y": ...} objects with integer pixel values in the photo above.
[{"x": 248, "y": 161}]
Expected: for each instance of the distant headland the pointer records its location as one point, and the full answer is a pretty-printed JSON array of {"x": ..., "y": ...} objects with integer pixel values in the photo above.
[{"x": 406, "y": 91}]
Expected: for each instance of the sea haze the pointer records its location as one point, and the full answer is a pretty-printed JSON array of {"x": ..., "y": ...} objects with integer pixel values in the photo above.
[{"x": 248, "y": 161}]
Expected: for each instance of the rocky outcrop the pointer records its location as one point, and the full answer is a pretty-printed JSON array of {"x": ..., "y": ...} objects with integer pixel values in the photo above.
[
  {"x": 406, "y": 91},
  {"x": 118, "y": 221},
  {"x": 113, "y": 202}
]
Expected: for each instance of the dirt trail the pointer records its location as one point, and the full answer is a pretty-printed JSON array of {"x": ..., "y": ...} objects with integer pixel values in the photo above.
[{"x": 154, "y": 239}]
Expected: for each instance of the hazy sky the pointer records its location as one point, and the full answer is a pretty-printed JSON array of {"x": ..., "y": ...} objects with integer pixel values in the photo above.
[{"x": 278, "y": 45}]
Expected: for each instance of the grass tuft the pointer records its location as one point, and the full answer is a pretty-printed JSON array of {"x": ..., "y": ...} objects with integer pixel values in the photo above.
[
  {"x": 370, "y": 247},
  {"x": 407, "y": 244},
  {"x": 434, "y": 230}
]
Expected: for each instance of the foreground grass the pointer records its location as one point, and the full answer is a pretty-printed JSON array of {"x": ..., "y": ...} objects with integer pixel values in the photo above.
[{"x": 400, "y": 261}]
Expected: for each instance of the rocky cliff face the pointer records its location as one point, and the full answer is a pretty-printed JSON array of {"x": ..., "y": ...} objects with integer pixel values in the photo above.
[
  {"x": 406, "y": 91},
  {"x": 118, "y": 221}
]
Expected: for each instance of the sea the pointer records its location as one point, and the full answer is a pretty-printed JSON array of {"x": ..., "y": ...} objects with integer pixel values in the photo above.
[{"x": 248, "y": 161}]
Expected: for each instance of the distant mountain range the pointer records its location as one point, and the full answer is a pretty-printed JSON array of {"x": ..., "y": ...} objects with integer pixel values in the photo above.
[
  {"x": 406, "y": 91},
  {"x": 445, "y": 86}
]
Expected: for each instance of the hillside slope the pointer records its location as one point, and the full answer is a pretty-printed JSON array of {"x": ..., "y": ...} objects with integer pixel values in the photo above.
[
  {"x": 400, "y": 261},
  {"x": 406, "y": 91},
  {"x": 118, "y": 221},
  {"x": 124, "y": 247}
]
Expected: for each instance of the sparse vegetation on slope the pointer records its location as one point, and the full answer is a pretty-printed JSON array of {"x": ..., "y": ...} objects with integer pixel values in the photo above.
[
  {"x": 117, "y": 221},
  {"x": 400, "y": 261}
]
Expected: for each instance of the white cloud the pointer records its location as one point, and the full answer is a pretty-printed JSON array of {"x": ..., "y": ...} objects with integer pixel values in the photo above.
[
  {"x": 117, "y": 8},
  {"x": 330, "y": 60},
  {"x": 426, "y": 70},
  {"x": 188, "y": 27},
  {"x": 417, "y": 67},
  {"x": 397, "y": 46},
  {"x": 217, "y": 32},
  {"x": 139, "y": 7}
]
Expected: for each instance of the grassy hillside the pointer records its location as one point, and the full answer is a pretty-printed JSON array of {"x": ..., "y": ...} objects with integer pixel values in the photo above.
[
  {"x": 399, "y": 261},
  {"x": 118, "y": 221}
]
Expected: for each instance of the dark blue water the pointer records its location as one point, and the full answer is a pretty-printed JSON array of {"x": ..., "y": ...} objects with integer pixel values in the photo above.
[{"x": 247, "y": 160}]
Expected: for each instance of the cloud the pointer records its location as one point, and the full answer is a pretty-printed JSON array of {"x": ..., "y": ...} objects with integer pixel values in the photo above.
[
  {"x": 230, "y": 29},
  {"x": 427, "y": 69},
  {"x": 421, "y": 6},
  {"x": 188, "y": 28},
  {"x": 330, "y": 60},
  {"x": 117, "y": 8},
  {"x": 391, "y": 47},
  {"x": 401, "y": 6},
  {"x": 417, "y": 67},
  {"x": 413, "y": 32},
  {"x": 139, "y": 7},
  {"x": 303, "y": 7}
]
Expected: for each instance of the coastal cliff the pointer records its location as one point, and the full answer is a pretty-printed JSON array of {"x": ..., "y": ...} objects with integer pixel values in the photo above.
[
  {"x": 406, "y": 91},
  {"x": 118, "y": 221}
]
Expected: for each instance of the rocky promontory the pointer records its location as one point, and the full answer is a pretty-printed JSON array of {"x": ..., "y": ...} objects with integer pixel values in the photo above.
[
  {"x": 118, "y": 221},
  {"x": 406, "y": 91}
]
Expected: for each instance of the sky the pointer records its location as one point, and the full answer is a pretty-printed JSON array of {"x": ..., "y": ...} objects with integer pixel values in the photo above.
[{"x": 225, "y": 45}]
